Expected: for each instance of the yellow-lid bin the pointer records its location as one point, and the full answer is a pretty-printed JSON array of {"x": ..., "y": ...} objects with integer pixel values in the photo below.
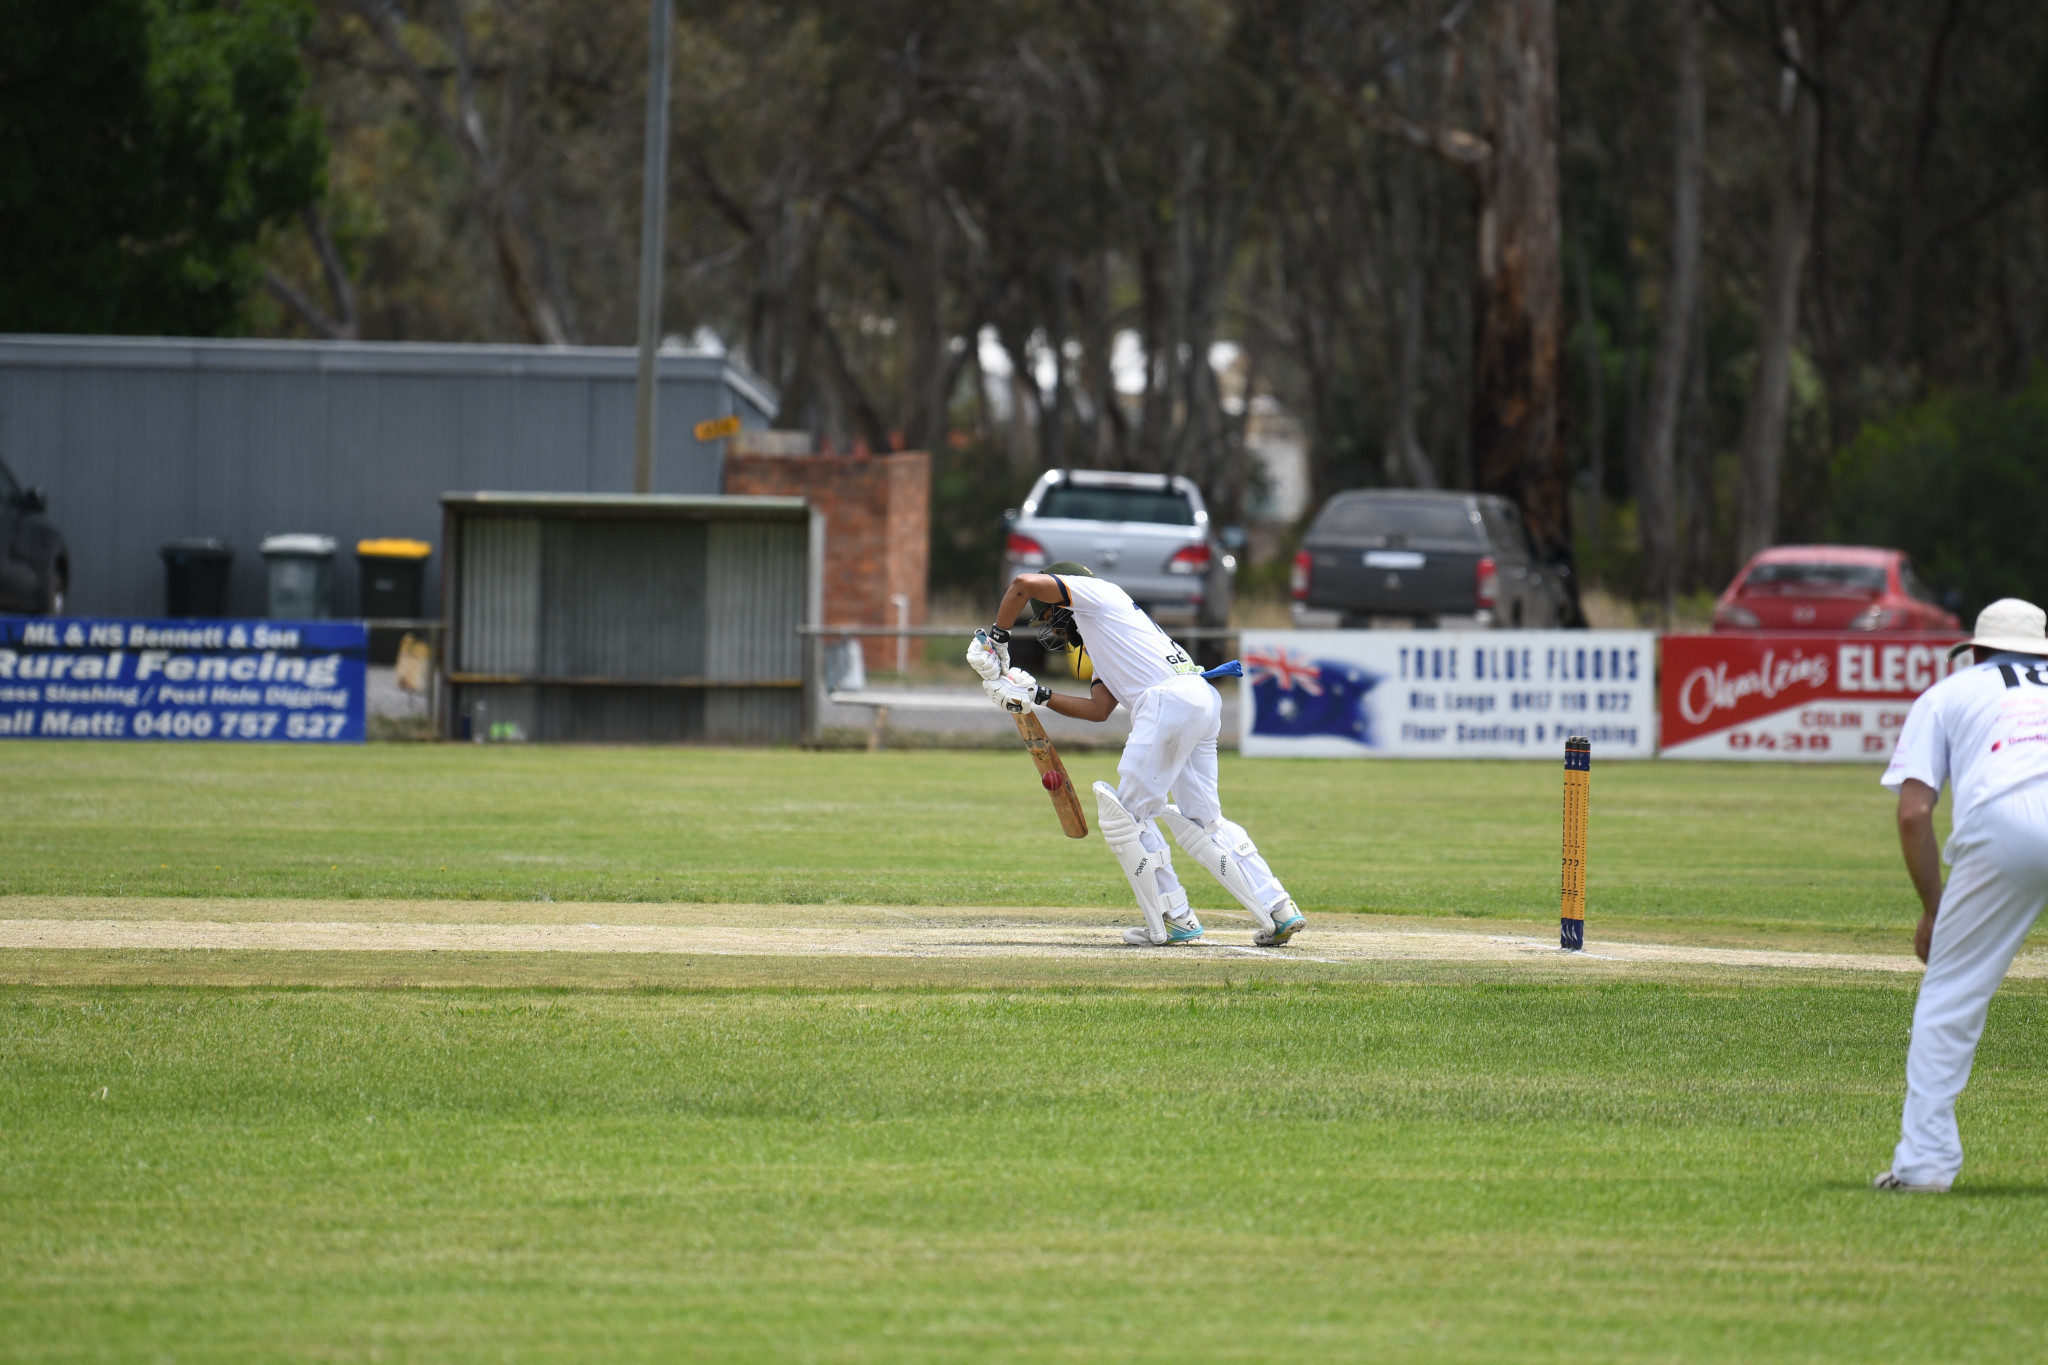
[{"x": 393, "y": 548}]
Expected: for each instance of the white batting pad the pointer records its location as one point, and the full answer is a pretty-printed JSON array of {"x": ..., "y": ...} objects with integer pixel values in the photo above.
[
  {"x": 1140, "y": 865},
  {"x": 1232, "y": 859}
]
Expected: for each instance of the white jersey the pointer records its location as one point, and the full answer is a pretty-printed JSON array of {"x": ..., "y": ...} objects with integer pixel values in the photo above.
[
  {"x": 1984, "y": 730},
  {"x": 1130, "y": 652}
]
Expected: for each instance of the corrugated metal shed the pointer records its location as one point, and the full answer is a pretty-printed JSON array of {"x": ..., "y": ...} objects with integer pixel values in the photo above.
[
  {"x": 628, "y": 618},
  {"x": 140, "y": 441}
]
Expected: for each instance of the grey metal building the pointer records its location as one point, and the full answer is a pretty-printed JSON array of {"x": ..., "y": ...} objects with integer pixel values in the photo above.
[
  {"x": 631, "y": 619},
  {"x": 140, "y": 441}
]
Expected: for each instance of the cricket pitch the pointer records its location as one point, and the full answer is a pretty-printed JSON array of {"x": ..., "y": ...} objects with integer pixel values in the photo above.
[{"x": 82, "y": 924}]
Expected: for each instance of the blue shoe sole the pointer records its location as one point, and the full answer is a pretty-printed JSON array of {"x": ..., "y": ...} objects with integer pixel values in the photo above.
[{"x": 1284, "y": 932}]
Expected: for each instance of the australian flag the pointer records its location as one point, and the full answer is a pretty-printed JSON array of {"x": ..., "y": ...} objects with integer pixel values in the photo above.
[{"x": 1293, "y": 695}]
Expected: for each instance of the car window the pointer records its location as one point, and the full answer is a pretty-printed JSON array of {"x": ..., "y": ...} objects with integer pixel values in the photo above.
[
  {"x": 1412, "y": 519},
  {"x": 1783, "y": 578},
  {"x": 1076, "y": 502},
  {"x": 1914, "y": 586}
]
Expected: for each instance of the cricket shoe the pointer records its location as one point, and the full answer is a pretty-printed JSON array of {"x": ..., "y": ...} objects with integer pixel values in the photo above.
[
  {"x": 1187, "y": 930},
  {"x": 1287, "y": 922},
  {"x": 1886, "y": 1180}
]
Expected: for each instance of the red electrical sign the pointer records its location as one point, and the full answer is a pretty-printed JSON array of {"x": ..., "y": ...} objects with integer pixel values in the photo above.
[{"x": 1838, "y": 698}]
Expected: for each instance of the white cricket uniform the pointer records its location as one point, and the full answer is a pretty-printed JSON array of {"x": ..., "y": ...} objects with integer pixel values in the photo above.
[
  {"x": 1984, "y": 731},
  {"x": 1175, "y": 719}
]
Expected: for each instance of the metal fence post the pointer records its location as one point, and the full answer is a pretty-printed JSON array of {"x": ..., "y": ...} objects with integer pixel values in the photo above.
[
  {"x": 653, "y": 210},
  {"x": 814, "y": 643}
]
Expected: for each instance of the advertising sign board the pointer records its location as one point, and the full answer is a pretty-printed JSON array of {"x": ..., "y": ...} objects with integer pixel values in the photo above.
[
  {"x": 102, "y": 678},
  {"x": 1443, "y": 694},
  {"x": 1818, "y": 697}
]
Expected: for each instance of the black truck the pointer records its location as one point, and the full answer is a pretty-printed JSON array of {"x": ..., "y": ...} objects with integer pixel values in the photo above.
[
  {"x": 35, "y": 568},
  {"x": 1391, "y": 557}
]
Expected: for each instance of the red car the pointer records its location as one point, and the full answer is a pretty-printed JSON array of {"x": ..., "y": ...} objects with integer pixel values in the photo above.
[{"x": 1831, "y": 587}]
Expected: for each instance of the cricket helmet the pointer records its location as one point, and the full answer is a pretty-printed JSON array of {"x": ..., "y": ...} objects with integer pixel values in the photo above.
[{"x": 1056, "y": 629}]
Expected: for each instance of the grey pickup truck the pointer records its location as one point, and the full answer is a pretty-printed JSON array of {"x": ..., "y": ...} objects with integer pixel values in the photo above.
[{"x": 1393, "y": 557}]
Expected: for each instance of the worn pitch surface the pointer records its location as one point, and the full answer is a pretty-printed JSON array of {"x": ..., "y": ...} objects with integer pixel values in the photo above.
[{"x": 38, "y": 924}]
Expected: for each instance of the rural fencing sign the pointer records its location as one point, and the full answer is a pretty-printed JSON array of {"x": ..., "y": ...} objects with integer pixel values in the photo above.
[
  {"x": 1817, "y": 697},
  {"x": 1443, "y": 694},
  {"x": 101, "y": 678}
]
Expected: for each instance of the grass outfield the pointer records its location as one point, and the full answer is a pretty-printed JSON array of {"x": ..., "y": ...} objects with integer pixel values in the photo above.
[
  {"x": 1626, "y": 1171},
  {"x": 1676, "y": 846},
  {"x": 915, "y": 1159}
]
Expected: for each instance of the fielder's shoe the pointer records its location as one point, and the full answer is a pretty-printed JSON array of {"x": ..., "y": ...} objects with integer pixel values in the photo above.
[
  {"x": 1885, "y": 1180},
  {"x": 1187, "y": 930},
  {"x": 1287, "y": 922}
]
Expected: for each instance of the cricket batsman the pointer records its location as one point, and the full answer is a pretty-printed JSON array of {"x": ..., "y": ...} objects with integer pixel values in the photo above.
[
  {"x": 1984, "y": 731},
  {"x": 1175, "y": 718}
]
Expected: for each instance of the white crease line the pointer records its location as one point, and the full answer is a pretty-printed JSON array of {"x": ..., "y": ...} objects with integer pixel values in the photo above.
[
  {"x": 1537, "y": 945},
  {"x": 1274, "y": 953}
]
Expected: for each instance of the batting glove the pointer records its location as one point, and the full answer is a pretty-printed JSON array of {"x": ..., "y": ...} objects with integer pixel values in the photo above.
[
  {"x": 1016, "y": 692},
  {"x": 986, "y": 657}
]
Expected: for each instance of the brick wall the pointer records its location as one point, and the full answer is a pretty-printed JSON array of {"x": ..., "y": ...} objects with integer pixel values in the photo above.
[{"x": 877, "y": 529}]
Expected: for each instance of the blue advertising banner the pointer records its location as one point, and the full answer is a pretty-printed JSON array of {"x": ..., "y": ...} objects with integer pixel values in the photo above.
[{"x": 100, "y": 678}]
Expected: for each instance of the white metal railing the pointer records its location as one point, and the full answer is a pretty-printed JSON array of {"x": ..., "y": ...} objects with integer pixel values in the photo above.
[{"x": 967, "y": 632}]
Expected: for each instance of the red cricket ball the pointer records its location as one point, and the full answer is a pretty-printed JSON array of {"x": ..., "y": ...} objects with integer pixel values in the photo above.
[{"x": 1051, "y": 781}]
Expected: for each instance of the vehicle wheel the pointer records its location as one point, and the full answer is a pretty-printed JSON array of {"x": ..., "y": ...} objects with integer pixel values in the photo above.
[{"x": 54, "y": 596}]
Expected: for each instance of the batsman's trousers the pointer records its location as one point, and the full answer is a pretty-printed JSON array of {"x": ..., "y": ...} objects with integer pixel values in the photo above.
[
  {"x": 1172, "y": 749},
  {"x": 1996, "y": 887}
]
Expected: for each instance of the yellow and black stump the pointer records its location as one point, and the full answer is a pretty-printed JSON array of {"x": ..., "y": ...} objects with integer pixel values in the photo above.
[{"x": 1578, "y": 773}]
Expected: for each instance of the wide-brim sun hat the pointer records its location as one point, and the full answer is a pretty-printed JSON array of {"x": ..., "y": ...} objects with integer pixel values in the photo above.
[{"x": 2011, "y": 625}]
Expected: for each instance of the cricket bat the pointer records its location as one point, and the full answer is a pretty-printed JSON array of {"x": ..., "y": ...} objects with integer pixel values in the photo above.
[{"x": 1052, "y": 775}]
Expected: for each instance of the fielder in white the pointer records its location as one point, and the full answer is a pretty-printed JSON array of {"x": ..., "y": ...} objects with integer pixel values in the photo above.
[
  {"x": 1984, "y": 731},
  {"x": 1175, "y": 717}
]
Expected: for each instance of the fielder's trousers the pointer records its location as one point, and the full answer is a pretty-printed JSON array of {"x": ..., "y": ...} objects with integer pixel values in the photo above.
[{"x": 1995, "y": 889}]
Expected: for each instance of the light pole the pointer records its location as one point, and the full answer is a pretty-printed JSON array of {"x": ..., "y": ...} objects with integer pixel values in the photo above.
[{"x": 653, "y": 207}]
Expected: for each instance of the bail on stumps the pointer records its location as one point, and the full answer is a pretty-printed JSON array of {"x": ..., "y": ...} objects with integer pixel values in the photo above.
[{"x": 1571, "y": 914}]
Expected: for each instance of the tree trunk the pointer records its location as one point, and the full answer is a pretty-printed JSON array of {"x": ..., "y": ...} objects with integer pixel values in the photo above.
[
  {"x": 532, "y": 289},
  {"x": 1763, "y": 426},
  {"x": 1404, "y": 459},
  {"x": 1910, "y": 216},
  {"x": 1631, "y": 352},
  {"x": 1013, "y": 331},
  {"x": 1054, "y": 434},
  {"x": 1092, "y": 287},
  {"x": 851, "y": 399},
  {"x": 1656, "y": 480},
  {"x": 534, "y": 305},
  {"x": 927, "y": 359},
  {"x": 1516, "y": 450},
  {"x": 1696, "y": 455},
  {"x": 1596, "y": 397},
  {"x": 789, "y": 282}
]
